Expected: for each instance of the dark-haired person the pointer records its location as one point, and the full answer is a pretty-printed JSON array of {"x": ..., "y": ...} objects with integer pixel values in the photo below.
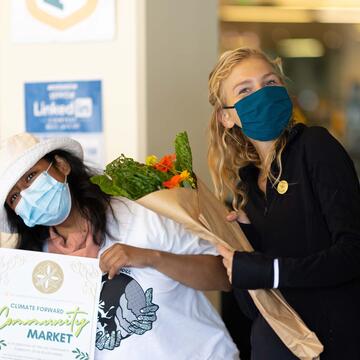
[{"x": 150, "y": 303}]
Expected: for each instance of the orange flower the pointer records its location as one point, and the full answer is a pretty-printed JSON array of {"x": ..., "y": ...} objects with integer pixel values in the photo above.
[
  {"x": 173, "y": 182},
  {"x": 166, "y": 163}
]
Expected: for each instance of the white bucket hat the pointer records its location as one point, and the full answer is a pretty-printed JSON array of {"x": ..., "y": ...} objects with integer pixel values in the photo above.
[{"x": 21, "y": 152}]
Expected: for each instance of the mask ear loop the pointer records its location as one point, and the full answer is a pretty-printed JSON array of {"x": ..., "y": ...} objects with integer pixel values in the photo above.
[
  {"x": 49, "y": 167},
  {"x": 65, "y": 181}
]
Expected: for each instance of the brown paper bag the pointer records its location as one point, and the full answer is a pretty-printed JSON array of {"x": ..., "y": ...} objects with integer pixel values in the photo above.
[{"x": 204, "y": 215}]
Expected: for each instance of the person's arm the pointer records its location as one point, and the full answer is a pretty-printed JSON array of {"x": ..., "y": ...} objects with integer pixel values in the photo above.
[
  {"x": 337, "y": 190},
  {"x": 201, "y": 272}
]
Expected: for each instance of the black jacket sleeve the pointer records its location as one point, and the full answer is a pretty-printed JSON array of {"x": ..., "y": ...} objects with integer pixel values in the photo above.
[
  {"x": 336, "y": 188},
  {"x": 252, "y": 270},
  {"x": 242, "y": 296},
  {"x": 257, "y": 268}
]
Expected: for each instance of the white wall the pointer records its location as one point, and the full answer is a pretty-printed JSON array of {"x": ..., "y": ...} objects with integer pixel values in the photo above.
[
  {"x": 114, "y": 62},
  {"x": 181, "y": 48}
]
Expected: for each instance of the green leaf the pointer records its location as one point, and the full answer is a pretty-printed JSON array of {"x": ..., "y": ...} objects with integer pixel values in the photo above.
[
  {"x": 84, "y": 356},
  {"x": 183, "y": 152},
  {"x": 80, "y": 355},
  {"x": 108, "y": 186},
  {"x": 129, "y": 178}
]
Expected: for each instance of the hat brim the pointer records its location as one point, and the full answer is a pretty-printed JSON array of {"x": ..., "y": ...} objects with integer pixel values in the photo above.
[{"x": 25, "y": 162}]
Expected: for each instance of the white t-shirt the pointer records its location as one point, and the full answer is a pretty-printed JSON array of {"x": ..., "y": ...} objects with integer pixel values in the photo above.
[{"x": 186, "y": 325}]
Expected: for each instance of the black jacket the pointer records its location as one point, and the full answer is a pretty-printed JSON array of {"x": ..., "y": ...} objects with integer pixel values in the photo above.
[{"x": 314, "y": 231}]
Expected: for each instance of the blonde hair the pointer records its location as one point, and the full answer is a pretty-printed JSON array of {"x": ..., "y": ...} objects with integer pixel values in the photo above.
[{"x": 229, "y": 149}]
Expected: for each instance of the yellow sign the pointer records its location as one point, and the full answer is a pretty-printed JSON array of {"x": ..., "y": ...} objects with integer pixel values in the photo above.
[{"x": 62, "y": 23}]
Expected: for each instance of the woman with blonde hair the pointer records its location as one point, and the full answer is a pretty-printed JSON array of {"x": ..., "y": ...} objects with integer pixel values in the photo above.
[{"x": 297, "y": 199}]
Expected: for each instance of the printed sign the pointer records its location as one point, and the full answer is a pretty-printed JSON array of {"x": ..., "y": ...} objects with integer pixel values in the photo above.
[
  {"x": 71, "y": 109},
  {"x": 62, "y": 20},
  {"x": 48, "y": 305},
  {"x": 63, "y": 106}
]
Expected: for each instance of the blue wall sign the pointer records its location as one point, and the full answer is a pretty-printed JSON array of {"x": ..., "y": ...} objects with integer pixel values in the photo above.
[{"x": 73, "y": 106}]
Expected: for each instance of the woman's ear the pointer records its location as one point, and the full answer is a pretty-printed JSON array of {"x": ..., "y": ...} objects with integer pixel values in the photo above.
[
  {"x": 62, "y": 165},
  {"x": 226, "y": 120}
]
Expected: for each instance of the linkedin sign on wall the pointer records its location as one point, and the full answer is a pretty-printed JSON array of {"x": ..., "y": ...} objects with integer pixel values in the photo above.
[{"x": 71, "y": 108}]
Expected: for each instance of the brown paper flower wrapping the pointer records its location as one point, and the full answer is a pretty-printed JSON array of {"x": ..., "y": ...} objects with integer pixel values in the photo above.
[{"x": 204, "y": 215}]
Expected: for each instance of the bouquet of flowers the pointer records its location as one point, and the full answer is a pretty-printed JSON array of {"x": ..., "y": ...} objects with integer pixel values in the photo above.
[
  {"x": 133, "y": 180},
  {"x": 169, "y": 187}
]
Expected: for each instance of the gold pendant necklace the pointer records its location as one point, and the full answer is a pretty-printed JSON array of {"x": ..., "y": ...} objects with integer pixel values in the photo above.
[{"x": 282, "y": 187}]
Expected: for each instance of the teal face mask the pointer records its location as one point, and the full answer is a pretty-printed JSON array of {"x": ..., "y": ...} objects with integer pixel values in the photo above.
[
  {"x": 265, "y": 113},
  {"x": 45, "y": 202}
]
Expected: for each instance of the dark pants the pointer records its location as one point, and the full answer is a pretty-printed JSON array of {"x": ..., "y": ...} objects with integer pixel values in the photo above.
[
  {"x": 265, "y": 344},
  {"x": 237, "y": 323}
]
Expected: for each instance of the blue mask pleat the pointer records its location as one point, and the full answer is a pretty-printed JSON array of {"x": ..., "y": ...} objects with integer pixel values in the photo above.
[
  {"x": 45, "y": 202},
  {"x": 265, "y": 113}
]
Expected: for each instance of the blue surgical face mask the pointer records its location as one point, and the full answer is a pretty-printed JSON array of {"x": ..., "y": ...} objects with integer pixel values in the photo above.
[
  {"x": 45, "y": 202},
  {"x": 265, "y": 113}
]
